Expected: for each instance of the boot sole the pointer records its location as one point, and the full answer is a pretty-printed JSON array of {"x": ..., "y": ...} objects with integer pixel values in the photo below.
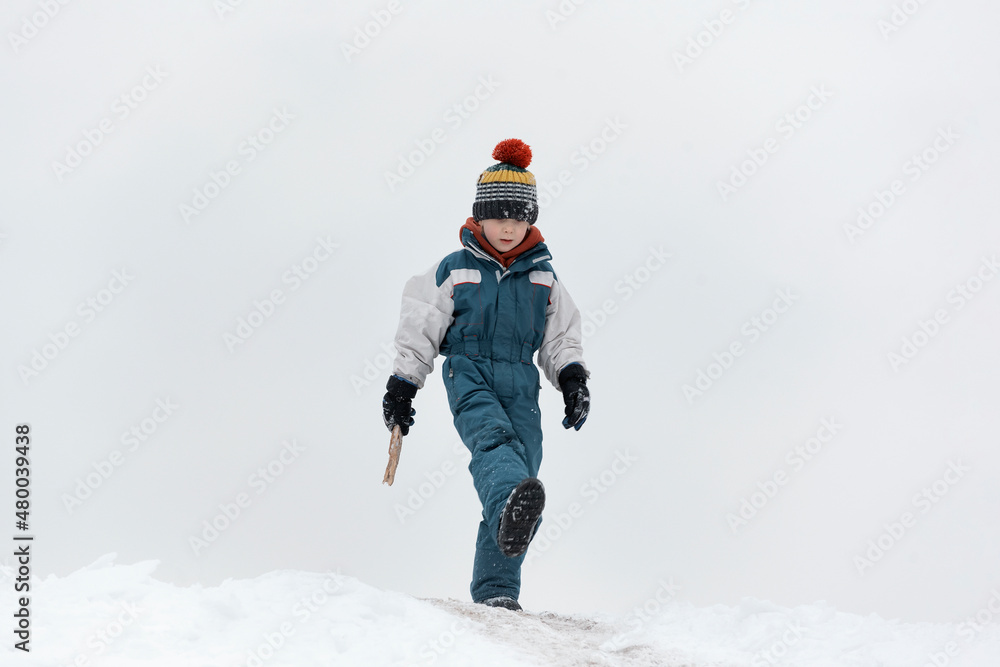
[{"x": 519, "y": 517}]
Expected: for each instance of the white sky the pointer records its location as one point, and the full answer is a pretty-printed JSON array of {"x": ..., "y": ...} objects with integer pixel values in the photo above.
[{"x": 197, "y": 85}]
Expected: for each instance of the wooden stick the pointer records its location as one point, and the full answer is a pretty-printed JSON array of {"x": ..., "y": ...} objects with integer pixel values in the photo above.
[{"x": 395, "y": 445}]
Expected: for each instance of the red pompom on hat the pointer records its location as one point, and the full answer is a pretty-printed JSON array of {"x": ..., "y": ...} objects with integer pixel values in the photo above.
[
  {"x": 507, "y": 189},
  {"x": 513, "y": 151}
]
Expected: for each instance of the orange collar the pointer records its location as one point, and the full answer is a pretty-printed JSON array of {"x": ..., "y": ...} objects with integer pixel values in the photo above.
[{"x": 531, "y": 239}]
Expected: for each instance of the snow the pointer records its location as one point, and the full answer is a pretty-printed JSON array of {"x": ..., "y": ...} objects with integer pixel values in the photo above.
[{"x": 111, "y": 615}]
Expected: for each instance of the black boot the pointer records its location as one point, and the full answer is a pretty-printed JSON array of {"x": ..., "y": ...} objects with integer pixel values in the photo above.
[
  {"x": 502, "y": 601},
  {"x": 519, "y": 517}
]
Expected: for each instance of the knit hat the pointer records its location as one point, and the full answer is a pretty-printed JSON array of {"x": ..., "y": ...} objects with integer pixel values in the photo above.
[{"x": 507, "y": 190}]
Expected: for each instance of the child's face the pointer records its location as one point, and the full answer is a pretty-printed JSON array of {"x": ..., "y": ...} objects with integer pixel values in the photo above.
[{"x": 504, "y": 234}]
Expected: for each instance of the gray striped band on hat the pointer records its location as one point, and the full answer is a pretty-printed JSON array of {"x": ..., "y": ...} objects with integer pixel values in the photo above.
[{"x": 506, "y": 191}]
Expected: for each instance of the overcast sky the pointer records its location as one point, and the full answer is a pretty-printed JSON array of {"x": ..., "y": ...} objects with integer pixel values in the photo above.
[{"x": 778, "y": 218}]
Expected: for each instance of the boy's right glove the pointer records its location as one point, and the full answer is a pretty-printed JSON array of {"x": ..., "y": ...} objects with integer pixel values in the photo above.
[
  {"x": 573, "y": 382},
  {"x": 396, "y": 408}
]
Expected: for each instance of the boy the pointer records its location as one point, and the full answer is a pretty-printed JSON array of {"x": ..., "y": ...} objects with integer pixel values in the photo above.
[{"x": 488, "y": 308}]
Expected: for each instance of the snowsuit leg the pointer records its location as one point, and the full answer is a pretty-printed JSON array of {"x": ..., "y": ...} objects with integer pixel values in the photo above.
[{"x": 495, "y": 409}]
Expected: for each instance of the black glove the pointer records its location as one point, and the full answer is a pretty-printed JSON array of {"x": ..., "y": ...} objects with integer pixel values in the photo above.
[
  {"x": 396, "y": 407},
  {"x": 573, "y": 382}
]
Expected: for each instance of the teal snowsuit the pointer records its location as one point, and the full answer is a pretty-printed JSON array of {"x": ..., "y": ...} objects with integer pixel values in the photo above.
[{"x": 489, "y": 322}]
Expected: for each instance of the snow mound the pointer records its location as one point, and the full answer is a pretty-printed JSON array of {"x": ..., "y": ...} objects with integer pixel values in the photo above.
[{"x": 116, "y": 615}]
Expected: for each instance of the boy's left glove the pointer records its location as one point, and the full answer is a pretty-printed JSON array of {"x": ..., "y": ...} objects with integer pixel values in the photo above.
[
  {"x": 396, "y": 404},
  {"x": 573, "y": 382}
]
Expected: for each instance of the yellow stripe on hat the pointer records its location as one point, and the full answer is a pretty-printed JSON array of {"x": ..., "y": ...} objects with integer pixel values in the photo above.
[{"x": 507, "y": 176}]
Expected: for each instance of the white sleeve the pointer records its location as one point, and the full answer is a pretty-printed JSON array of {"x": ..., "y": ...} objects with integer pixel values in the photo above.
[
  {"x": 424, "y": 317},
  {"x": 562, "y": 341}
]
